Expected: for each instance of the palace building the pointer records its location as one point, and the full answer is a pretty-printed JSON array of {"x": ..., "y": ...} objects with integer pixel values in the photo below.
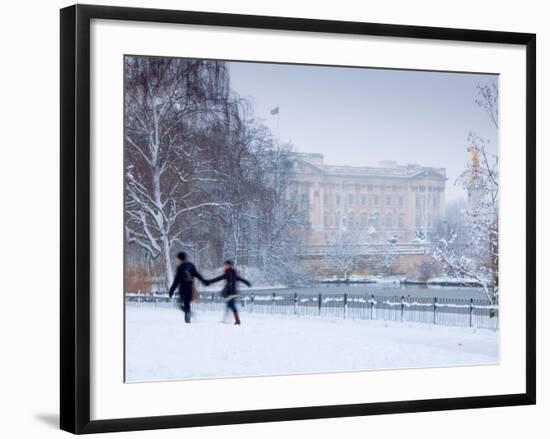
[{"x": 374, "y": 204}]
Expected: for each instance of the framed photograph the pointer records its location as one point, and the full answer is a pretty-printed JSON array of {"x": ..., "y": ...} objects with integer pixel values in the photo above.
[{"x": 271, "y": 218}]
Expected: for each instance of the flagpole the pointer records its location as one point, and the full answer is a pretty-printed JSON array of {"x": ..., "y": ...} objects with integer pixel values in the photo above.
[
  {"x": 275, "y": 112},
  {"x": 278, "y": 115}
]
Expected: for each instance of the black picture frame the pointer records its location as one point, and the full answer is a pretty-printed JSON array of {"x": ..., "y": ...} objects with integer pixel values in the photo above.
[{"x": 75, "y": 218}]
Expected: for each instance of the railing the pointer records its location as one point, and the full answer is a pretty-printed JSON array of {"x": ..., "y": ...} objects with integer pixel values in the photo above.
[{"x": 438, "y": 311}]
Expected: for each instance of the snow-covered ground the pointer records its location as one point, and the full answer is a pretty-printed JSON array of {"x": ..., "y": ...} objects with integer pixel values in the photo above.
[{"x": 160, "y": 346}]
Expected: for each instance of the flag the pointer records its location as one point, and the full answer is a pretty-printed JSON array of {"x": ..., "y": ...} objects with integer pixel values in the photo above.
[{"x": 275, "y": 110}]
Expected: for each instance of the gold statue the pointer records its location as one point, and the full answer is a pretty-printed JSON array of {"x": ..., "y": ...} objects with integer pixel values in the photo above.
[{"x": 474, "y": 153}]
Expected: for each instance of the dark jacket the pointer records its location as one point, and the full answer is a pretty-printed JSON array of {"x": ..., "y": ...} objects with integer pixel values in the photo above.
[
  {"x": 183, "y": 279},
  {"x": 231, "y": 278}
]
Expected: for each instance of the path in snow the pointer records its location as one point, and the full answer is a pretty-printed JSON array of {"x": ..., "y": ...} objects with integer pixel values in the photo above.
[{"x": 159, "y": 345}]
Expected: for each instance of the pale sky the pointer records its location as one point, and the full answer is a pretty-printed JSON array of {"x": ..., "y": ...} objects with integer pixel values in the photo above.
[{"x": 360, "y": 116}]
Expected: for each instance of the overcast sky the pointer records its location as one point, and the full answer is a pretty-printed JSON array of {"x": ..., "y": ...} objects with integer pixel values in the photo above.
[{"x": 360, "y": 116}]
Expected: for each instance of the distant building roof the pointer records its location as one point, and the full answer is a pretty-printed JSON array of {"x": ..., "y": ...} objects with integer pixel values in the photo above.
[{"x": 386, "y": 169}]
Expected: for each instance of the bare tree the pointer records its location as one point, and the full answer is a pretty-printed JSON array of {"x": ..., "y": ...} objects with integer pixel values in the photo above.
[
  {"x": 488, "y": 100},
  {"x": 354, "y": 247},
  {"x": 202, "y": 175},
  {"x": 166, "y": 101},
  {"x": 282, "y": 224},
  {"x": 477, "y": 256},
  {"x": 388, "y": 255}
]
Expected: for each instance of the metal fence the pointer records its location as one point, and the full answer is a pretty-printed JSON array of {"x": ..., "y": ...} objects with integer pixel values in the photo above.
[{"x": 438, "y": 311}]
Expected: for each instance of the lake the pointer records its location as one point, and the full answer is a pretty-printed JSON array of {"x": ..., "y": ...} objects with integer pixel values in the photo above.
[{"x": 379, "y": 289}]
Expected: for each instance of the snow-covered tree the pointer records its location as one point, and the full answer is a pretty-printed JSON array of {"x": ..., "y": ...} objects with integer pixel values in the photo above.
[
  {"x": 347, "y": 253},
  {"x": 201, "y": 174},
  {"x": 281, "y": 223},
  {"x": 166, "y": 101},
  {"x": 473, "y": 252},
  {"x": 388, "y": 254}
]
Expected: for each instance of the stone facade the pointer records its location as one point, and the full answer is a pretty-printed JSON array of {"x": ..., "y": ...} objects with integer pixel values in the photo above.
[{"x": 375, "y": 203}]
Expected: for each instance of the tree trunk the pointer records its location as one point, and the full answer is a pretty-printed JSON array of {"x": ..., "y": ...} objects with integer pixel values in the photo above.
[
  {"x": 162, "y": 225},
  {"x": 168, "y": 272}
]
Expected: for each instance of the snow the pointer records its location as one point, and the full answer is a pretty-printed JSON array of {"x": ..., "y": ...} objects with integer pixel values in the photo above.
[
  {"x": 449, "y": 280},
  {"x": 160, "y": 346},
  {"x": 442, "y": 280},
  {"x": 355, "y": 278}
]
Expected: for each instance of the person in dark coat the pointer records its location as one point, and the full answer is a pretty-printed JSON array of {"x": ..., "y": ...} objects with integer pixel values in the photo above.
[
  {"x": 183, "y": 279},
  {"x": 230, "y": 291}
]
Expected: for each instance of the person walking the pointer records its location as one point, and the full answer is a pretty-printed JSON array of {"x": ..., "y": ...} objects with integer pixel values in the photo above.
[
  {"x": 230, "y": 291},
  {"x": 185, "y": 274}
]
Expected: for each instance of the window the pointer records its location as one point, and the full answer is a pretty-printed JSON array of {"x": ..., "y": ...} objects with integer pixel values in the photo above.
[
  {"x": 364, "y": 200},
  {"x": 388, "y": 220},
  {"x": 434, "y": 201},
  {"x": 418, "y": 221},
  {"x": 388, "y": 200},
  {"x": 325, "y": 198},
  {"x": 351, "y": 219},
  {"x": 350, "y": 199},
  {"x": 364, "y": 219},
  {"x": 400, "y": 200},
  {"x": 418, "y": 201},
  {"x": 400, "y": 220},
  {"x": 375, "y": 200},
  {"x": 337, "y": 199},
  {"x": 305, "y": 200},
  {"x": 326, "y": 219}
]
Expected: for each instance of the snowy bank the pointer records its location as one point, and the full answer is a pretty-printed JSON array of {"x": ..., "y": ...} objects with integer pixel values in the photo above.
[
  {"x": 436, "y": 281},
  {"x": 453, "y": 281},
  {"x": 356, "y": 279},
  {"x": 160, "y": 346}
]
